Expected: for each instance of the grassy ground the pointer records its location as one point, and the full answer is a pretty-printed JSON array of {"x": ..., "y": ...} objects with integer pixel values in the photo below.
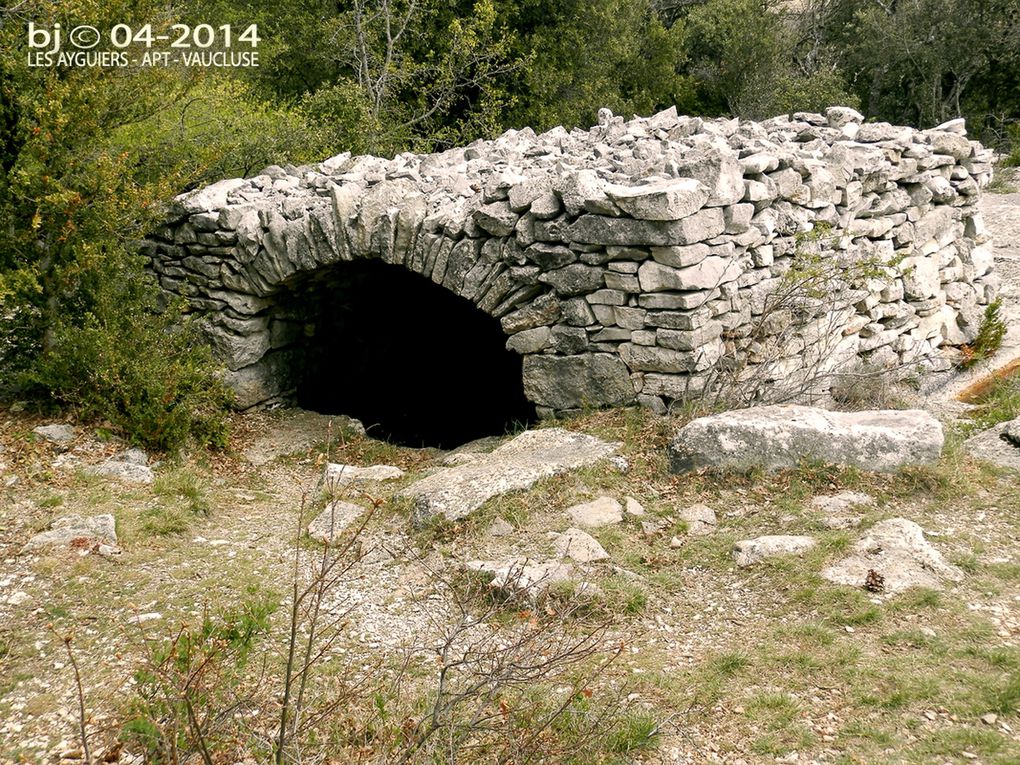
[{"x": 761, "y": 665}]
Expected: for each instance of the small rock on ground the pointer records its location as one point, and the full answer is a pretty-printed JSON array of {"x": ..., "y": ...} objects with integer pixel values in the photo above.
[
  {"x": 632, "y": 507},
  {"x": 747, "y": 552},
  {"x": 838, "y": 510},
  {"x": 129, "y": 472},
  {"x": 604, "y": 511},
  {"x": 332, "y": 521},
  {"x": 515, "y": 466},
  {"x": 700, "y": 519},
  {"x": 56, "y": 433},
  {"x": 579, "y": 546},
  {"x": 63, "y": 531},
  {"x": 522, "y": 575},
  {"x": 897, "y": 550}
]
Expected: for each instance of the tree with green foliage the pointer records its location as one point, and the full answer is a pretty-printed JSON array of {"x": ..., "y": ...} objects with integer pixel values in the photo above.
[
  {"x": 91, "y": 155},
  {"x": 744, "y": 61}
]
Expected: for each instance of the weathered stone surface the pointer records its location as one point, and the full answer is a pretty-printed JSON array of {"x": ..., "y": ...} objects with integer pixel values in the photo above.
[
  {"x": 341, "y": 475},
  {"x": 522, "y": 576},
  {"x": 458, "y": 491},
  {"x": 64, "y": 531},
  {"x": 700, "y": 519},
  {"x": 571, "y": 382},
  {"x": 777, "y": 437},
  {"x": 709, "y": 273},
  {"x": 568, "y": 238},
  {"x": 747, "y": 552},
  {"x": 604, "y": 511},
  {"x": 129, "y": 472},
  {"x": 579, "y": 546},
  {"x": 896, "y": 550},
  {"x": 842, "y": 510},
  {"x": 660, "y": 199},
  {"x": 57, "y": 433},
  {"x": 329, "y": 525}
]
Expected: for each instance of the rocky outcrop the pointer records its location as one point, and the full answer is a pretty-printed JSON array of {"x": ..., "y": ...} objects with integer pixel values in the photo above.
[
  {"x": 783, "y": 436},
  {"x": 628, "y": 262}
]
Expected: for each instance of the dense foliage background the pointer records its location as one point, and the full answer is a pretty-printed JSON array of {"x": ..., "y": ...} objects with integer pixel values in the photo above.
[{"x": 89, "y": 155}]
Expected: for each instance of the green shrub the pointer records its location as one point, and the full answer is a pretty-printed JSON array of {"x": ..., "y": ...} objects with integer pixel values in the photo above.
[
  {"x": 125, "y": 361},
  {"x": 989, "y": 336}
]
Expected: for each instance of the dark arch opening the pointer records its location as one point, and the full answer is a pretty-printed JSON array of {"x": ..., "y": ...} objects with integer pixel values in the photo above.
[{"x": 417, "y": 364}]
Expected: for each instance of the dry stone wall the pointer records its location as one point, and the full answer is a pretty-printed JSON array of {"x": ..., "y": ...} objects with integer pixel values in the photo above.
[{"x": 640, "y": 260}]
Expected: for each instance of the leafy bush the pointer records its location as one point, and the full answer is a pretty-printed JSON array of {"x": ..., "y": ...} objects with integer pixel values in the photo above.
[
  {"x": 989, "y": 337},
  {"x": 126, "y": 361}
]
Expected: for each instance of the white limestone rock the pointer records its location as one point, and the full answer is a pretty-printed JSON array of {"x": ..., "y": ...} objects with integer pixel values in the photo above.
[
  {"x": 898, "y": 552},
  {"x": 671, "y": 199},
  {"x": 782, "y": 436},
  {"x": 700, "y": 519},
  {"x": 328, "y": 526},
  {"x": 63, "y": 531},
  {"x": 747, "y": 552},
  {"x": 579, "y": 546},
  {"x": 604, "y": 511},
  {"x": 515, "y": 466},
  {"x": 343, "y": 475}
]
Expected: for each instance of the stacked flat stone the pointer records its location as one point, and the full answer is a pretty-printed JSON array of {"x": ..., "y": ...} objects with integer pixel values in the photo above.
[{"x": 628, "y": 262}]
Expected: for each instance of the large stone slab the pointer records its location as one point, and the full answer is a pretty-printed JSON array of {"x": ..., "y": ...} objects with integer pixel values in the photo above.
[
  {"x": 898, "y": 553},
  {"x": 64, "y": 531},
  {"x": 777, "y": 437},
  {"x": 572, "y": 382},
  {"x": 458, "y": 491}
]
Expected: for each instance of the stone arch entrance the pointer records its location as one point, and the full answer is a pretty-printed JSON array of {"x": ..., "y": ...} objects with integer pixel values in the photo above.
[{"x": 418, "y": 365}]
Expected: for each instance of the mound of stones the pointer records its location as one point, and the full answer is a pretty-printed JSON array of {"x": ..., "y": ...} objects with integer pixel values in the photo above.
[
  {"x": 631, "y": 261},
  {"x": 784, "y": 436}
]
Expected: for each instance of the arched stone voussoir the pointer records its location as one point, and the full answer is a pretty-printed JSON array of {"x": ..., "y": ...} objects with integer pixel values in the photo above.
[{"x": 636, "y": 260}]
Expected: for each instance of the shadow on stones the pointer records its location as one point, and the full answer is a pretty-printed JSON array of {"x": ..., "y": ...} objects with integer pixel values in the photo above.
[{"x": 417, "y": 364}]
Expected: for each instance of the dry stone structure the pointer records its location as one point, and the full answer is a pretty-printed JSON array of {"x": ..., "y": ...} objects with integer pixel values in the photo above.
[{"x": 635, "y": 261}]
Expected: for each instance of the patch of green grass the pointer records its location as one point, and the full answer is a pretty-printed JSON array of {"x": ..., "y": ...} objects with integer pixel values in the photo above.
[
  {"x": 839, "y": 606},
  {"x": 623, "y": 596},
  {"x": 1000, "y": 403},
  {"x": 181, "y": 499},
  {"x": 634, "y": 731},
  {"x": 51, "y": 500}
]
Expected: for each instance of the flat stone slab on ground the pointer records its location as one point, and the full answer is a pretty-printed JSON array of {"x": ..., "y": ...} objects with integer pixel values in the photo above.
[
  {"x": 778, "y": 437},
  {"x": 295, "y": 430},
  {"x": 990, "y": 446},
  {"x": 604, "y": 511},
  {"x": 700, "y": 519},
  {"x": 129, "y": 472},
  {"x": 342, "y": 475},
  {"x": 896, "y": 550},
  {"x": 522, "y": 575},
  {"x": 747, "y": 552},
  {"x": 100, "y": 528},
  {"x": 332, "y": 521},
  {"x": 56, "y": 433},
  {"x": 579, "y": 546},
  {"x": 516, "y": 465},
  {"x": 841, "y": 511}
]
